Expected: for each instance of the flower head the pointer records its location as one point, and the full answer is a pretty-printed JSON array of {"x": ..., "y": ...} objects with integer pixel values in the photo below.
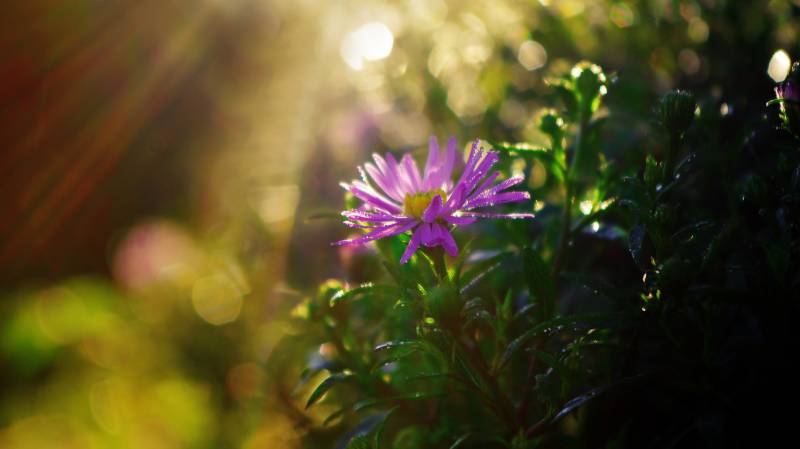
[
  {"x": 429, "y": 204},
  {"x": 789, "y": 89},
  {"x": 676, "y": 111},
  {"x": 787, "y": 93}
]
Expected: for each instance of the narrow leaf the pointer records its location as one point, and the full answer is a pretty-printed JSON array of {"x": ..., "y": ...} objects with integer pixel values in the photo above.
[
  {"x": 326, "y": 385},
  {"x": 520, "y": 342},
  {"x": 460, "y": 440},
  {"x": 359, "y": 442},
  {"x": 366, "y": 288},
  {"x": 381, "y": 425},
  {"x": 481, "y": 270},
  {"x": 636, "y": 245},
  {"x": 540, "y": 283}
]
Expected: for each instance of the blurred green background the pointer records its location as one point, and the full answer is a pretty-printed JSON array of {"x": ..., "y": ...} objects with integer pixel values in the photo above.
[{"x": 162, "y": 163}]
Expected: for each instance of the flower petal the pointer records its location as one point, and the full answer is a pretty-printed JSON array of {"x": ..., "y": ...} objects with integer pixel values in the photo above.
[
  {"x": 456, "y": 199},
  {"x": 386, "y": 183},
  {"x": 413, "y": 244},
  {"x": 515, "y": 216},
  {"x": 377, "y": 233},
  {"x": 472, "y": 159},
  {"x": 482, "y": 167},
  {"x": 445, "y": 239},
  {"x": 500, "y": 198},
  {"x": 381, "y": 164},
  {"x": 374, "y": 199},
  {"x": 362, "y": 215},
  {"x": 433, "y": 210},
  {"x": 352, "y": 224},
  {"x": 459, "y": 220},
  {"x": 391, "y": 172},
  {"x": 449, "y": 163},
  {"x": 486, "y": 184},
  {"x": 411, "y": 172},
  {"x": 431, "y": 164},
  {"x": 440, "y": 175},
  {"x": 395, "y": 173},
  {"x": 426, "y": 236},
  {"x": 510, "y": 182}
]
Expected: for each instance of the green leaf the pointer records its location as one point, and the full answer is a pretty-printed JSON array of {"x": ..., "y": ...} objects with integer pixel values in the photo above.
[
  {"x": 688, "y": 233},
  {"x": 591, "y": 320},
  {"x": 400, "y": 353},
  {"x": 636, "y": 245},
  {"x": 544, "y": 155},
  {"x": 563, "y": 89},
  {"x": 405, "y": 277},
  {"x": 506, "y": 308},
  {"x": 430, "y": 376},
  {"x": 426, "y": 267},
  {"x": 578, "y": 401},
  {"x": 668, "y": 188},
  {"x": 403, "y": 348},
  {"x": 597, "y": 215},
  {"x": 597, "y": 285},
  {"x": 476, "y": 317},
  {"x": 326, "y": 385},
  {"x": 481, "y": 270},
  {"x": 368, "y": 403},
  {"x": 381, "y": 425},
  {"x": 359, "y": 442},
  {"x": 523, "y": 148},
  {"x": 397, "y": 275},
  {"x": 458, "y": 265},
  {"x": 630, "y": 204},
  {"x": 782, "y": 101},
  {"x": 369, "y": 287},
  {"x": 587, "y": 158},
  {"x": 460, "y": 440},
  {"x": 653, "y": 171},
  {"x": 685, "y": 165},
  {"x": 524, "y": 310},
  {"x": 396, "y": 344},
  {"x": 551, "y": 361},
  {"x": 335, "y": 415},
  {"x": 474, "y": 303},
  {"x": 540, "y": 282}
]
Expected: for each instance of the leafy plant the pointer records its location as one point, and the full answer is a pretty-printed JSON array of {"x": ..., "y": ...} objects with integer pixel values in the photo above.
[{"x": 613, "y": 319}]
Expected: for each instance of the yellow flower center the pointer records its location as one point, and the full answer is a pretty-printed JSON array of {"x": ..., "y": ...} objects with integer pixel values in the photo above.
[{"x": 415, "y": 205}]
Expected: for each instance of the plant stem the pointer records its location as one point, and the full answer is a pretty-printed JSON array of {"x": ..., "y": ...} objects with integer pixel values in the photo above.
[
  {"x": 439, "y": 266},
  {"x": 502, "y": 401},
  {"x": 522, "y": 409},
  {"x": 566, "y": 224},
  {"x": 566, "y": 218},
  {"x": 669, "y": 159}
]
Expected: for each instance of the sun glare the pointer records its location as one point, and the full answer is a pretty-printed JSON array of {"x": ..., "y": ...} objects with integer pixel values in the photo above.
[
  {"x": 370, "y": 42},
  {"x": 778, "y": 66}
]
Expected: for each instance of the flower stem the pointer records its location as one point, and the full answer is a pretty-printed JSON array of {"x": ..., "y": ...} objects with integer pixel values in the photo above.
[{"x": 436, "y": 255}]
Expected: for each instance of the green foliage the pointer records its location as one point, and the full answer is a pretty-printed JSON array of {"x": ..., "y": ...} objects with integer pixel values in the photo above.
[{"x": 522, "y": 341}]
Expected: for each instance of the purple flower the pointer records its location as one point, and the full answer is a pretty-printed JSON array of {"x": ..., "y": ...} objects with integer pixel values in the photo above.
[
  {"x": 787, "y": 90},
  {"x": 427, "y": 204}
]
